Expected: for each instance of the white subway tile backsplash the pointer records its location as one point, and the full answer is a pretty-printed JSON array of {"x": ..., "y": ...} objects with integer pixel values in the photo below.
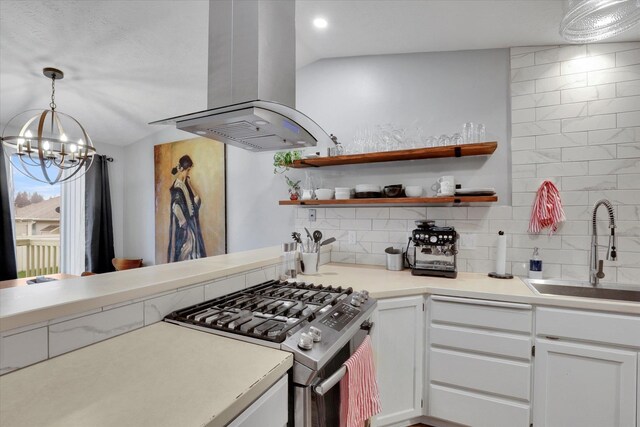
[
  {"x": 595, "y": 49},
  {"x": 614, "y": 75},
  {"x": 522, "y": 60},
  {"x": 355, "y": 224},
  {"x": 535, "y": 72},
  {"x": 360, "y": 247},
  {"x": 371, "y": 259},
  {"x": 614, "y": 105},
  {"x": 617, "y": 197},
  {"x": 629, "y": 119},
  {"x": 629, "y": 275},
  {"x": 523, "y": 171},
  {"x": 372, "y": 236},
  {"x": 535, "y": 128},
  {"x": 80, "y": 332},
  {"x": 596, "y": 152},
  {"x": 535, "y": 100},
  {"x": 447, "y": 213},
  {"x": 559, "y": 54},
  {"x": 588, "y": 93},
  {"x": 629, "y": 88},
  {"x": 628, "y": 151},
  {"x": 343, "y": 257},
  {"x": 535, "y": 156},
  {"x": 606, "y": 121},
  {"x": 490, "y": 212},
  {"x": 628, "y": 57},
  {"x": 562, "y": 169},
  {"x": 408, "y": 213},
  {"x": 224, "y": 286},
  {"x": 522, "y": 116},
  {"x": 340, "y": 213},
  {"x": 523, "y": 88},
  {"x": 629, "y": 182},
  {"x": 569, "y": 81},
  {"x": 563, "y": 111},
  {"x": 523, "y": 143},
  {"x": 372, "y": 213},
  {"x": 527, "y": 49},
  {"x": 628, "y": 213},
  {"x": 569, "y": 139},
  {"x": 585, "y": 183},
  {"x": 390, "y": 224},
  {"x": 591, "y": 63},
  {"x": 614, "y": 136},
  {"x": 156, "y": 308},
  {"x": 23, "y": 349},
  {"x": 620, "y": 167}
]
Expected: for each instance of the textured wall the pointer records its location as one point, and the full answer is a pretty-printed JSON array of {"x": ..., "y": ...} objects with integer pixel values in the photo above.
[{"x": 575, "y": 121}]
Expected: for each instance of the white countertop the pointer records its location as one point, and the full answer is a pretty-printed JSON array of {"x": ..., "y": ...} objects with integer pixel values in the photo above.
[
  {"x": 382, "y": 283},
  {"x": 161, "y": 375},
  {"x": 26, "y": 305}
]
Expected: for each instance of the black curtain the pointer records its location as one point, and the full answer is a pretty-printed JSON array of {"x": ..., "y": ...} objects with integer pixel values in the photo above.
[
  {"x": 8, "y": 270},
  {"x": 98, "y": 222}
]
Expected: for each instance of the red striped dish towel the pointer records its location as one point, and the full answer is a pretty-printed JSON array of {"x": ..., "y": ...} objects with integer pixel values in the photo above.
[
  {"x": 547, "y": 211},
  {"x": 359, "y": 398}
]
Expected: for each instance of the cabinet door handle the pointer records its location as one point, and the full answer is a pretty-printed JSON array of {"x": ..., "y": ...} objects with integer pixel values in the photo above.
[{"x": 489, "y": 303}]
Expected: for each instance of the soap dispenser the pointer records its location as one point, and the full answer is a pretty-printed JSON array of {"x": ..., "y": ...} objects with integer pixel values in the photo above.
[{"x": 535, "y": 265}]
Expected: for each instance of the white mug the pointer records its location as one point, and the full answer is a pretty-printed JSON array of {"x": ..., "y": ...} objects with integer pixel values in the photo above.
[{"x": 445, "y": 186}]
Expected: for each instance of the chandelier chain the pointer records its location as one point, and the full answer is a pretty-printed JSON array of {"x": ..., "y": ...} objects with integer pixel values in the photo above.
[{"x": 52, "y": 104}]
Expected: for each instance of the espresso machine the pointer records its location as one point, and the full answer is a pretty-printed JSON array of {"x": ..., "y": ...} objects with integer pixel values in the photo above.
[{"x": 434, "y": 250}]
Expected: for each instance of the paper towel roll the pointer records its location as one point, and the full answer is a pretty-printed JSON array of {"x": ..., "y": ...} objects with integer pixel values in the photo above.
[{"x": 501, "y": 257}]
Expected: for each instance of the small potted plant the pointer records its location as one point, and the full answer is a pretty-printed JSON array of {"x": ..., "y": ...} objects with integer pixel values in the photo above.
[
  {"x": 282, "y": 160},
  {"x": 294, "y": 188}
]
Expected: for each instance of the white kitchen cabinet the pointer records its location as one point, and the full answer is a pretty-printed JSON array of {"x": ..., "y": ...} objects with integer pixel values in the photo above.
[
  {"x": 479, "y": 362},
  {"x": 269, "y": 410},
  {"x": 588, "y": 383},
  {"x": 399, "y": 347}
]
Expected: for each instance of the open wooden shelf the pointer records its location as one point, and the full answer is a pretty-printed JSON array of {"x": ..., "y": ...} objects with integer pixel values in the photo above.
[
  {"x": 480, "y": 149},
  {"x": 398, "y": 201}
]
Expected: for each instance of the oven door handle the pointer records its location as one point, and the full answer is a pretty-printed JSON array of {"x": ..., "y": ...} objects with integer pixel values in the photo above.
[
  {"x": 367, "y": 326},
  {"x": 323, "y": 387}
]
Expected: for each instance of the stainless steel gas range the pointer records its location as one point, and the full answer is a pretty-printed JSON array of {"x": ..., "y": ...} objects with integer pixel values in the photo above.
[{"x": 321, "y": 325}]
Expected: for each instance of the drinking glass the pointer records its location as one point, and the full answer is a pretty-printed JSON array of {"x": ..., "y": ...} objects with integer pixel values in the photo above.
[
  {"x": 468, "y": 131},
  {"x": 480, "y": 133},
  {"x": 444, "y": 140},
  {"x": 456, "y": 139}
]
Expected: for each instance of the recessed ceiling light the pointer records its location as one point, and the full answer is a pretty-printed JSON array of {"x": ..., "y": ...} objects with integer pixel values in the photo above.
[
  {"x": 201, "y": 132},
  {"x": 261, "y": 122},
  {"x": 320, "y": 23}
]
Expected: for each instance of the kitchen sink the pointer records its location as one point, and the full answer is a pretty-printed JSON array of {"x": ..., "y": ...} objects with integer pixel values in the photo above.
[{"x": 583, "y": 289}]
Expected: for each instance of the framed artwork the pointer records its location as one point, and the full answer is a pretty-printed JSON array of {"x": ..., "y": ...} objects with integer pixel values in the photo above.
[{"x": 190, "y": 199}]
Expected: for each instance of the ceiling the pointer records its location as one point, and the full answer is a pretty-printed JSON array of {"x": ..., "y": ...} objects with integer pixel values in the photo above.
[{"x": 129, "y": 62}]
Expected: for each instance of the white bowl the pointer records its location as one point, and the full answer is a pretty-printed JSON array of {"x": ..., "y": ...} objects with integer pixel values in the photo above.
[
  {"x": 343, "y": 195},
  {"x": 342, "y": 189},
  {"x": 413, "y": 191},
  {"x": 324, "y": 193}
]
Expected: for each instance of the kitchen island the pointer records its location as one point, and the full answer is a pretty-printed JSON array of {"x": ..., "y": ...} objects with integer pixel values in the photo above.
[{"x": 160, "y": 375}]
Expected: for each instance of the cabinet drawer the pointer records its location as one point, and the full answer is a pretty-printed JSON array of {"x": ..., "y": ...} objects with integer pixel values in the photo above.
[
  {"x": 481, "y": 373},
  {"x": 481, "y": 341},
  {"x": 479, "y": 313},
  {"x": 476, "y": 410},
  {"x": 588, "y": 326}
]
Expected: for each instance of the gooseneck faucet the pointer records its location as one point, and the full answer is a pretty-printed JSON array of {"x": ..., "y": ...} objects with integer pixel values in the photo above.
[{"x": 596, "y": 266}]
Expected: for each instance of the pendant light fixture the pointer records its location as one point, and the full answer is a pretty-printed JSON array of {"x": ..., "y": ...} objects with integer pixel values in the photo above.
[
  {"x": 589, "y": 21},
  {"x": 47, "y": 145}
]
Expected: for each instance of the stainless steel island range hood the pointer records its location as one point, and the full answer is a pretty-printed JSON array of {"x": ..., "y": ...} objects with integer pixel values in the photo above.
[{"x": 251, "y": 92}]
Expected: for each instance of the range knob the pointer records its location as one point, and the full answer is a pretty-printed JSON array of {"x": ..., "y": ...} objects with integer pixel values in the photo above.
[
  {"x": 355, "y": 301},
  {"x": 315, "y": 333},
  {"x": 433, "y": 239},
  {"x": 306, "y": 341},
  {"x": 365, "y": 295}
]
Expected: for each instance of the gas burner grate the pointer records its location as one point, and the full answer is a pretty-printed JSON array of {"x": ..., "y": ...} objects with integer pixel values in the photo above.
[{"x": 266, "y": 311}]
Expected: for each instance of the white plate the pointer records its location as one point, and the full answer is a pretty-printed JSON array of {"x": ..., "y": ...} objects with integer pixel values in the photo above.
[
  {"x": 311, "y": 156},
  {"x": 469, "y": 190}
]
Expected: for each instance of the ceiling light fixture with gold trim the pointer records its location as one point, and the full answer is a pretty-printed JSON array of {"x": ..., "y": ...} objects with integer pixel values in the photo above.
[{"x": 47, "y": 145}]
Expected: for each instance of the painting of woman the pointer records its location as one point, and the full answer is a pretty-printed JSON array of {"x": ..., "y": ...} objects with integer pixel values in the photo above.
[{"x": 185, "y": 234}]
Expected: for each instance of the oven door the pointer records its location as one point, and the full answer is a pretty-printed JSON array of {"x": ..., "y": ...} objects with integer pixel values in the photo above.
[{"x": 318, "y": 404}]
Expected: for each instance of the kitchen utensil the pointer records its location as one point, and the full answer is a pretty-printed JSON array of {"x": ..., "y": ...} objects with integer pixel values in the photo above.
[
  {"x": 317, "y": 236},
  {"x": 328, "y": 241},
  {"x": 308, "y": 233},
  {"x": 395, "y": 261}
]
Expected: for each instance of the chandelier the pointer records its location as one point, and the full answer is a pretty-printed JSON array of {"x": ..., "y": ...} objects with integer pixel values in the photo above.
[
  {"x": 47, "y": 145},
  {"x": 593, "y": 20}
]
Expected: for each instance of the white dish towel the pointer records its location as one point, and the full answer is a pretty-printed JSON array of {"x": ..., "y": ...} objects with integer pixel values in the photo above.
[{"x": 359, "y": 397}]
